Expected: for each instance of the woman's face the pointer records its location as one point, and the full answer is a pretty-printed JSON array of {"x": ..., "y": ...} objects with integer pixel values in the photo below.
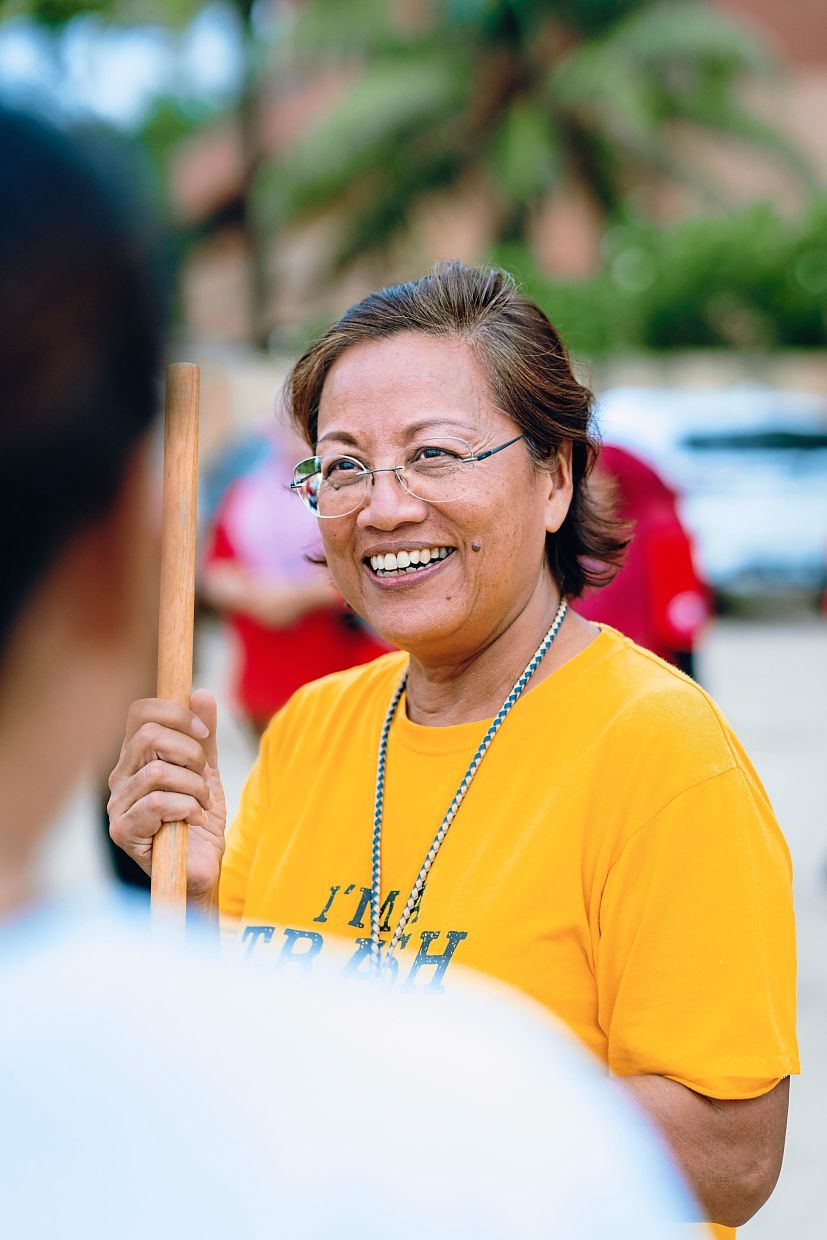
[{"x": 381, "y": 399}]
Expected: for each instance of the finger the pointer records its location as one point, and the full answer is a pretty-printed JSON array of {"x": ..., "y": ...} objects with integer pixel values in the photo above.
[
  {"x": 154, "y": 742},
  {"x": 146, "y": 817},
  {"x": 140, "y": 851},
  {"x": 205, "y": 708},
  {"x": 171, "y": 714},
  {"x": 159, "y": 776}
]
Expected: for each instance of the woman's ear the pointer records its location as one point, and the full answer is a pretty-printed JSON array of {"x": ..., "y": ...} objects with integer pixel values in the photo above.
[{"x": 560, "y": 487}]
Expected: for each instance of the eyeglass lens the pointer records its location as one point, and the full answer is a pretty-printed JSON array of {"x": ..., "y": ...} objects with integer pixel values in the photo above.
[{"x": 436, "y": 470}]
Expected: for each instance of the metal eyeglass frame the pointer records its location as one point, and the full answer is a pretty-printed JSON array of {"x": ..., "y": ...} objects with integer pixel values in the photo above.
[{"x": 471, "y": 459}]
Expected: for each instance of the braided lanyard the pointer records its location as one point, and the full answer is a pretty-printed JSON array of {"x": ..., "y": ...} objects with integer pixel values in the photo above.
[{"x": 459, "y": 796}]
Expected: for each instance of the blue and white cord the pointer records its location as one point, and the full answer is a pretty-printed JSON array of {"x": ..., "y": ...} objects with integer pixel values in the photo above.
[{"x": 459, "y": 796}]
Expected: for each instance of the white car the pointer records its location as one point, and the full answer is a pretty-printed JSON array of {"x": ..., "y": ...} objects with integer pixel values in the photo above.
[{"x": 750, "y": 468}]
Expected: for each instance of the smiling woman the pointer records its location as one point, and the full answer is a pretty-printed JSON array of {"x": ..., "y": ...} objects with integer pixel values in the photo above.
[{"x": 517, "y": 789}]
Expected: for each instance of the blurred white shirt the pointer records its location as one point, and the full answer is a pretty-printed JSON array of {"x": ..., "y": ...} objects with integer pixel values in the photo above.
[{"x": 147, "y": 1090}]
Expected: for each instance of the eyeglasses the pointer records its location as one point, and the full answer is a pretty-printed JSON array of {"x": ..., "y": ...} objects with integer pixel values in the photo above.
[{"x": 439, "y": 471}]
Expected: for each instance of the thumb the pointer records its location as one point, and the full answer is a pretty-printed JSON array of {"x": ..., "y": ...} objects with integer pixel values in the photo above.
[{"x": 203, "y": 705}]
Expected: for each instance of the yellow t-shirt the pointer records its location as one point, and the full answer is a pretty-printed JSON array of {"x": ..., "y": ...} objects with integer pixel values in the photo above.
[{"x": 615, "y": 857}]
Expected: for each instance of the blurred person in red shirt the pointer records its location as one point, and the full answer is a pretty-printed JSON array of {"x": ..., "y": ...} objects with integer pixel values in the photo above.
[
  {"x": 658, "y": 598},
  {"x": 289, "y": 624}
]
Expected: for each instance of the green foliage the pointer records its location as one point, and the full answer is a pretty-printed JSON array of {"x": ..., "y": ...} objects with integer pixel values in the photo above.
[
  {"x": 524, "y": 17},
  {"x": 377, "y": 151},
  {"x": 523, "y": 94},
  {"x": 525, "y": 153},
  {"x": 170, "y": 120},
  {"x": 747, "y": 278},
  {"x": 53, "y": 14},
  {"x": 382, "y": 117},
  {"x": 330, "y": 28},
  {"x": 591, "y": 17}
]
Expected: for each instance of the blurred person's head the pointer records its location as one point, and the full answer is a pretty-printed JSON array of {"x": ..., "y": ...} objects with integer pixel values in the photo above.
[{"x": 81, "y": 335}]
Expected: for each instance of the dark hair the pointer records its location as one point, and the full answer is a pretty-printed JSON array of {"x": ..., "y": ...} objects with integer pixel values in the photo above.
[
  {"x": 82, "y": 323},
  {"x": 531, "y": 380}
]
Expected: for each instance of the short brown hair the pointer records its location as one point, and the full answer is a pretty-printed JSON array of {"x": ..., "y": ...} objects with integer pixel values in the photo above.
[{"x": 531, "y": 379}]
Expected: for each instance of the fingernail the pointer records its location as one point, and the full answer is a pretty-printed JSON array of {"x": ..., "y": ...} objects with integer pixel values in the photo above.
[{"x": 199, "y": 728}]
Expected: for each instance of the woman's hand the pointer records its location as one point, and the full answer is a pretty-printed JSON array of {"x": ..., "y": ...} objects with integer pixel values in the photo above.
[{"x": 168, "y": 772}]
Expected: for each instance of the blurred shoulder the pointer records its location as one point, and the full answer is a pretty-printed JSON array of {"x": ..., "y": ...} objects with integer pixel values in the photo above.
[{"x": 88, "y": 991}]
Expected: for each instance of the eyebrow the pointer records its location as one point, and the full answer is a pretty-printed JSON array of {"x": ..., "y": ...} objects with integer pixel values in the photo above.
[{"x": 414, "y": 429}]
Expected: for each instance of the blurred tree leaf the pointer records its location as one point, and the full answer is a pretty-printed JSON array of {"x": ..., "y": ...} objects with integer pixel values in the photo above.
[
  {"x": 525, "y": 152},
  {"x": 379, "y": 123},
  {"x": 57, "y": 13},
  {"x": 690, "y": 33},
  {"x": 169, "y": 121},
  {"x": 525, "y": 96},
  {"x": 52, "y": 13},
  {"x": 172, "y": 118},
  {"x": 328, "y": 26},
  {"x": 747, "y": 278},
  {"x": 668, "y": 63},
  {"x": 526, "y": 93}
]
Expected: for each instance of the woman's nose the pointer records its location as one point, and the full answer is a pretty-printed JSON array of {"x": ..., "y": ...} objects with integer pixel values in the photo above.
[{"x": 389, "y": 504}]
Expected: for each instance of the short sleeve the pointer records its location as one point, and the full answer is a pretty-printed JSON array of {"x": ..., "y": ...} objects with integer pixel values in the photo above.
[{"x": 696, "y": 954}]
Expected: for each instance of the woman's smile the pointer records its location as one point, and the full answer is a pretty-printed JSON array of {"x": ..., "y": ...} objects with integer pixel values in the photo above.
[{"x": 406, "y": 566}]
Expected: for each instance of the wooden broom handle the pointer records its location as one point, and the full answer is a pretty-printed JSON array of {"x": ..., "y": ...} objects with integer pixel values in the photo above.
[{"x": 177, "y": 608}]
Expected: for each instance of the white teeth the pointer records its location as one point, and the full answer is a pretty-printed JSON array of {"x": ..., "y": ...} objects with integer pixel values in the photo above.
[{"x": 396, "y": 562}]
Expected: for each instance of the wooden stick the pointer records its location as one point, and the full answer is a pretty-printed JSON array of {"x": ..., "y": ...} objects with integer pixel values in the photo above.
[{"x": 177, "y": 608}]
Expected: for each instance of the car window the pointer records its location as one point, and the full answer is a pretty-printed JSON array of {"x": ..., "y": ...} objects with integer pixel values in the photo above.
[{"x": 758, "y": 440}]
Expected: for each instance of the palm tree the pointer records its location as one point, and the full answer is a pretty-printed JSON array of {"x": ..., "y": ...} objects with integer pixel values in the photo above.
[{"x": 530, "y": 94}]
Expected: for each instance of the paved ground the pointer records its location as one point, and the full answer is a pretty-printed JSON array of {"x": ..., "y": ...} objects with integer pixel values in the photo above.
[
  {"x": 771, "y": 680},
  {"x": 772, "y": 683}
]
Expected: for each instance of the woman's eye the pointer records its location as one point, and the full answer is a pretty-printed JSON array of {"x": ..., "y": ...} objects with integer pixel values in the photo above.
[
  {"x": 433, "y": 452},
  {"x": 340, "y": 466}
]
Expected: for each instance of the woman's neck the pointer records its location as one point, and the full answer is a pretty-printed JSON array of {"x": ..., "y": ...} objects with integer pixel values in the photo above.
[{"x": 474, "y": 686}]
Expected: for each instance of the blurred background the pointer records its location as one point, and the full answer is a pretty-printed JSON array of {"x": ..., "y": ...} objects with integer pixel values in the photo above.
[{"x": 655, "y": 176}]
